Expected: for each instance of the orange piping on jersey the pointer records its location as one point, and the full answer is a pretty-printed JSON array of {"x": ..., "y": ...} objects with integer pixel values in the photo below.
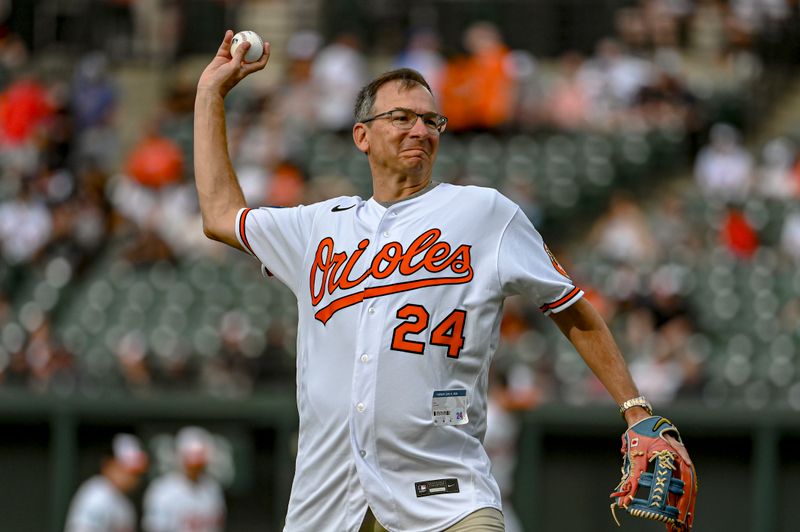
[
  {"x": 556, "y": 304},
  {"x": 242, "y": 231}
]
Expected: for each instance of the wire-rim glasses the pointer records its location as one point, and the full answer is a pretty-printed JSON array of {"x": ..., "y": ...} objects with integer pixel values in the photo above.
[{"x": 405, "y": 119}]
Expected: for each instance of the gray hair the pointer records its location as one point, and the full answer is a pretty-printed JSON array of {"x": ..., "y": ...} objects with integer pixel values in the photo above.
[{"x": 366, "y": 96}]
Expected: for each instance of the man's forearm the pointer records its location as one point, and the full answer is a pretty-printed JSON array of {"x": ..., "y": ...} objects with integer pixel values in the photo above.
[
  {"x": 218, "y": 190},
  {"x": 587, "y": 331}
]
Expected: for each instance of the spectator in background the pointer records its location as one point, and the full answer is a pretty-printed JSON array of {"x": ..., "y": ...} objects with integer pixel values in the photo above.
[
  {"x": 620, "y": 72},
  {"x": 479, "y": 90},
  {"x": 82, "y": 222},
  {"x": 494, "y": 75},
  {"x": 101, "y": 504},
  {"x": 632, "y": 27},
  {"x": 656, "y": 369},
  {"x": 153, "y": 195},
  {"x": 26, "y": 225},
  {"x": 13, "y": 54},
  {"x": 665, "y": 103},
  {"x": 724, "y": 169},
  {"x": 156, "y": 29},
  {"x": 297, "y": 89},
  {"x": 155, "y": 162},
  {"x": 737, "y": 233},
  {"x": 186, "y": 500},
  {"x": 776, "y": 177},
  {"x": 338, "y": 72},
  {"x": 25, "y": 108},
  {"x": 611, "y": 80},
  {"x": 423, "y": 55},
  {"x": 669, "y": 367},
  {"x": 706, "y": 31},
  {"x": 93, "y": 105},
  {"x": 568, "y": 102},
  {"x": 623, "y": 234}
]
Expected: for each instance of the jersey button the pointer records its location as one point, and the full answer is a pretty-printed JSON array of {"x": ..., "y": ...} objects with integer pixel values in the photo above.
[
  {"x": 371, "y": 310},
  {"x": 364, "y": 358},
  {"x": 361, "y": 407},
  {"x": 363, "y": 453},
  {"x": 386, "y": 234}
]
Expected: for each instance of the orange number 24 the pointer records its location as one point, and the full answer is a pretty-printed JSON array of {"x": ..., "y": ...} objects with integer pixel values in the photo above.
[{"x": 448, "y": 333}]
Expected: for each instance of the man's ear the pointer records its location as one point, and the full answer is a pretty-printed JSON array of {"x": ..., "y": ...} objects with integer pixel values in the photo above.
[{"x": 360, "y": 137}]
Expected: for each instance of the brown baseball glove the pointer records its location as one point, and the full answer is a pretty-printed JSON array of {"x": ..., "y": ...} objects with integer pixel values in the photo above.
[{"x": 656, "y": 465}]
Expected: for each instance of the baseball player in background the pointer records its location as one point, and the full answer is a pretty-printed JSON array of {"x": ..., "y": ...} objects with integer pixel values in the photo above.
[
  {"x": 187, "y": 500},
  {"x": 101, "y": 503},
  {"x": 399, "y": 303}
]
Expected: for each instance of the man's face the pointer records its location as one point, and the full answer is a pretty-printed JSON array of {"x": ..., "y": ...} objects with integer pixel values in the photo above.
[
  {"x": 411, "y": 151},
  {"x": 124, "y": 478},
  {"x": 194, "y": 469}
]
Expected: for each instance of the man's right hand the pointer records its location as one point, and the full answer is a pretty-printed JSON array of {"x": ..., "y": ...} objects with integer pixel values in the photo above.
[{"x": 226, "y": 70}]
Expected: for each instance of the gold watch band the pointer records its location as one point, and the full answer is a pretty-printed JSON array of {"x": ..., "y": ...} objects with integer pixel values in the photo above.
[{"x": 636, "y": 401}]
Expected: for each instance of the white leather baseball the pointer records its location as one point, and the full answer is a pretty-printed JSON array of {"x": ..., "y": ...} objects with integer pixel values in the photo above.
[{"x": 256, "y": 45}]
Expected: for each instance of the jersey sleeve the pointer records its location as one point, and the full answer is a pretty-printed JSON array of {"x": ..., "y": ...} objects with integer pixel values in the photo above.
[
  {"x": 276, "y": 236},
  {"x": 527, "y": 267}
]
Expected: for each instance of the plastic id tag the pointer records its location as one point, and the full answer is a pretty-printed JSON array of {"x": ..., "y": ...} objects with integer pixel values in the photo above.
[{"x": 450, "y": 407}]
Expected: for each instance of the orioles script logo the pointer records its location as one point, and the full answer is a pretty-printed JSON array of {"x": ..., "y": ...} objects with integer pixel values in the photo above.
[{"x": 332, "y": 271}]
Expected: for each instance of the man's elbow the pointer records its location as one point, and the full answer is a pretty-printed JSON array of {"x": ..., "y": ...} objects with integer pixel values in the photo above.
[{"x": 212, "y": 231}]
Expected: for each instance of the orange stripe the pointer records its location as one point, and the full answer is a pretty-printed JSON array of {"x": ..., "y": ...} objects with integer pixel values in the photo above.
[
  {"x": 242, "y": 231},
  {"x": 324, "y": 314},
  {"x": 561, "y": 301}
]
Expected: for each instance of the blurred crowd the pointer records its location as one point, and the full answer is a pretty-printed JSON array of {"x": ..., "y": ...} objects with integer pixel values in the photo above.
[{"x": 74, "y": 199}]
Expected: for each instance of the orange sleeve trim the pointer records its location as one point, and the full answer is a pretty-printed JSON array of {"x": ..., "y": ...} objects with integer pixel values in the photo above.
[
  {"x": 242, "y": 232},
  {"x": 555, "y": 304}
]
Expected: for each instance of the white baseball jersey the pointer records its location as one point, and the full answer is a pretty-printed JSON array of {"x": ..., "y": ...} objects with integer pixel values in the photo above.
[
  {"x": 100, "y": 507},
  {"x": 173, "y": 503},
  {"x": 399, "y": 316}
]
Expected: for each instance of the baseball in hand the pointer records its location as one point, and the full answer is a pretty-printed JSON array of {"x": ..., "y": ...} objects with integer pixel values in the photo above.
[{"x": 256, "y": 45}]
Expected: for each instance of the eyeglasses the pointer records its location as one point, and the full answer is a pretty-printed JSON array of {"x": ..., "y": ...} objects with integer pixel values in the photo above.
[{"x": 406, "y": 118}]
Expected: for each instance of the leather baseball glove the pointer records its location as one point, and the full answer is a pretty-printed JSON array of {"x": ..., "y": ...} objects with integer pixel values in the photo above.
[{"x": 656, "y": 465}]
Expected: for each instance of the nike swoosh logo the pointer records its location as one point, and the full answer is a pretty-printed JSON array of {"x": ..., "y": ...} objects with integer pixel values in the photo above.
[{"x": 339, "y": 208}]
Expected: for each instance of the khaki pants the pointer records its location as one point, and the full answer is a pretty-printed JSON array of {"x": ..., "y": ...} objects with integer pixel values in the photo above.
[{"x": 483, "y": 520}]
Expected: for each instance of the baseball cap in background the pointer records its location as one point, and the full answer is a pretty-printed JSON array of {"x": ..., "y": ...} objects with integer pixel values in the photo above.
[
  {"x": 128, "y": 452},
  {"x": 193, "y": 445}
]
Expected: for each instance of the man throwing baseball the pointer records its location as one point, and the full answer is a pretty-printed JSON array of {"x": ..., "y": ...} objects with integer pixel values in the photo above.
[{"x": 400, "y": 298}]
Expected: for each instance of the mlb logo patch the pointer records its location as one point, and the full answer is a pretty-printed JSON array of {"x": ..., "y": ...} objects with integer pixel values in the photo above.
[{"x": 441, "y": 486}]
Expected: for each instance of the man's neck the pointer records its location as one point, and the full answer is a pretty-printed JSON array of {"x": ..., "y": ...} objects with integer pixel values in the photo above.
[
  {"x": 431, "y": 185},
  {"x": 392, "y": 189}
]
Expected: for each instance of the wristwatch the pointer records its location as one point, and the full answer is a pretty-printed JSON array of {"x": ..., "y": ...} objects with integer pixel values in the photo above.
[{"x": 636, "y": 401}]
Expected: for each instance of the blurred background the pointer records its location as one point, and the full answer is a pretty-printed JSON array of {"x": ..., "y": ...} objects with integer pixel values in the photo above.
[{"x": 654, "y": 143}]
